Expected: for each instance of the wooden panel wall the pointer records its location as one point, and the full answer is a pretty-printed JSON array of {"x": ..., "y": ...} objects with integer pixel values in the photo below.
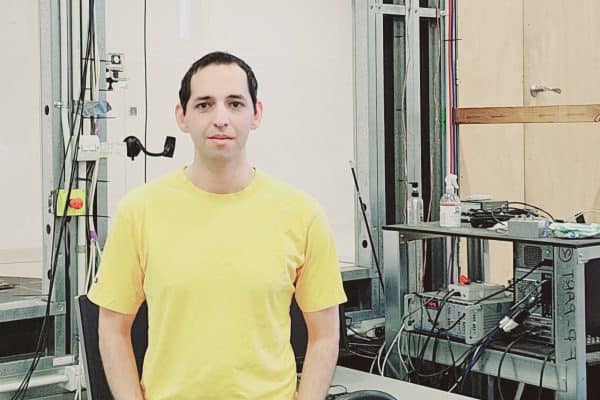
[
  {"x": 490, "y": 71},
  {"x": 504, "y": 47},
  {"x": 562, "y": 161}
]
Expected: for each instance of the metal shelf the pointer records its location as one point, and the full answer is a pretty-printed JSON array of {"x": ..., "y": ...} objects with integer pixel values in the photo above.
[
  {"x": 571, "y": 259},
  {"x": 515, "y": 367},
  {"x": 351, "y": 272},
  {"x": 430, "y": 230},
  {"x": 25, "y": 300}
]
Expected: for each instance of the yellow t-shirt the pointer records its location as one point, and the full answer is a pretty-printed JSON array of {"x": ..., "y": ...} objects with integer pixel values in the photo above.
[{"x": 218, "y": 273}]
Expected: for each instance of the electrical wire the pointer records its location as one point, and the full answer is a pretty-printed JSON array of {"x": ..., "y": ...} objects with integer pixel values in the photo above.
[
  {"x": 505, "y": 352},
  {"x": 41, "y": 342},
  {"x": 145, "y": 91},
  {"x": 513, "y": 284},
  {"x": 370, "y": 357},
  {"x": 477, "y": 348},
  {"x": 585, "y": 211},
  {"x": 377, "y": 358},
  {"x": 490, "y": 336},
  {"x": 540, "y": 387},
  {"x": 532, "y": 206},
  {"x": 361, "y": 335},
  {"x": 420, "y": 358},
  {"x": 399, "y": 335},
  {"x": 477, "y": 353}
]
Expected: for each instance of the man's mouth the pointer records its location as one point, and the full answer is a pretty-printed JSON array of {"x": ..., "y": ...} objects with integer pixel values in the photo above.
[{"x": 220, "y": 137}]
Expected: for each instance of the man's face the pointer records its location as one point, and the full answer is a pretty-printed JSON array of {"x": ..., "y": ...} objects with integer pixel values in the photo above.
[{"x": 219, "y": 114}]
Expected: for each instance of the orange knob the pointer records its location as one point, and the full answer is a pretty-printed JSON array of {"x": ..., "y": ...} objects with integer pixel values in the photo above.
[{"x": 76, "y": 203}]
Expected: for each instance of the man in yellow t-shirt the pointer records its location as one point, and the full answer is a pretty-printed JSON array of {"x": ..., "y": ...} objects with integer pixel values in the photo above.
[{"x": 217, "y": 250}]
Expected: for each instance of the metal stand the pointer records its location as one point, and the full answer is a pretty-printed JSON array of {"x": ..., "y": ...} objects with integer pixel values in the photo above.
[{"x": 567, "y": 374}]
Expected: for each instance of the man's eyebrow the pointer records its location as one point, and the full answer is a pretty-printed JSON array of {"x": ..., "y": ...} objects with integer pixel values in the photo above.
[
  {"x": 231, "y": 96},
  {"x": 199, "y": 98}
]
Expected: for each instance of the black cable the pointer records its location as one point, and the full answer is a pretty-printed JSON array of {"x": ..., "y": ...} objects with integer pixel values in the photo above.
[
  {"x": 421, "y": 356},
  {"x": 546, "y": 359},
  {"x": 454, "y": 323},
  {"x": 482, "y": 341},
  {"x": 362, "y": 355},
  {"x": 145, "y": 91},
  {"x": 454, "y": 365},
  {"x": 363, "y": 207},
  {"x": 519, "y": 280},
  {"x": 499, "y": 374},
  {"x": 489, "y": 337},
  {"x": 532, "y": 206},
  {"x": 476, "y": 354},
  {"x": 363, "y": 336},
  {"x": 56, "y": 242},
  {"x": 451, "y": 356}
]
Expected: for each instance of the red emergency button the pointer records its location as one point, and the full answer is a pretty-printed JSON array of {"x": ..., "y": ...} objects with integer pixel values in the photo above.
[
  {"x": 76, "y": 203},
  {"x": 464, "y": 280}
]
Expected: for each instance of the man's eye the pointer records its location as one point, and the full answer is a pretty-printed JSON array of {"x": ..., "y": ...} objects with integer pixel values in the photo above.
[
  {"x": 237, "y": 104},
  {"x": 203, "y": 106}
]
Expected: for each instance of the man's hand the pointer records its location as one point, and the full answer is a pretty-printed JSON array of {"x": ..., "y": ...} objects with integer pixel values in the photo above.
[
  {"x": 116, "y": 350},
  {"x": 321, "y": 354}
]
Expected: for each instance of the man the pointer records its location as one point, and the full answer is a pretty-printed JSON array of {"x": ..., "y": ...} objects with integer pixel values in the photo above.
[{"x": 217, "y": 250}]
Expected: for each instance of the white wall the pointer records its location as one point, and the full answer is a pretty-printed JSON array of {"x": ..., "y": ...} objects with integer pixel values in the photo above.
[
  {"x": 301, "y": 53},
  {"x": 20, "y": 165}
]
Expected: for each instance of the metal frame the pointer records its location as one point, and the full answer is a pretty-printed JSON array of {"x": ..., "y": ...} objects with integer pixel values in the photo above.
[
  {"x": 567, "y": 375},
  {"x": 369, "y": 136},
  {"x": 56, "y": 366}
]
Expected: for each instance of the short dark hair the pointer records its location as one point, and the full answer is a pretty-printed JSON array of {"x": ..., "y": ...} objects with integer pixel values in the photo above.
[{"x": 216, "y": 58}]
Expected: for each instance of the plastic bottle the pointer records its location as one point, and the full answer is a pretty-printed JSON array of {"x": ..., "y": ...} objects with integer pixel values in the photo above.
[
  {"x": 414, "y": 207},
  {"x": 414, "y": 215},
  {"x": 450, "y": 204}
]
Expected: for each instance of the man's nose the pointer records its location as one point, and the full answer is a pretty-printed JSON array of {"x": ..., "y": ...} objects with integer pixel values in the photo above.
[{"x": 221, "y": 116}]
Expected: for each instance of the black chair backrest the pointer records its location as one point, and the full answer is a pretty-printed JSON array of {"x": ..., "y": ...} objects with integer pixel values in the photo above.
[
  {"x": 97, "y": 386},
  {"x": 299, "y": 333}
]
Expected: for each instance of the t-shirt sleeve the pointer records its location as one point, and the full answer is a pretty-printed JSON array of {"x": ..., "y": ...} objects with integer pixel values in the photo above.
[
  {"x": 319, "y": 279},
  {"x": 118, "y": 286}
]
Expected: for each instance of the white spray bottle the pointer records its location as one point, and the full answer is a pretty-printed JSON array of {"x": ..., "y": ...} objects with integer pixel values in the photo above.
[{"x": 450, "y": 204}]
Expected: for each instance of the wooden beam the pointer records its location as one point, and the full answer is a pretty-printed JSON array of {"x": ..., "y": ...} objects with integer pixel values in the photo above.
[{"x": 532, "y": 114}]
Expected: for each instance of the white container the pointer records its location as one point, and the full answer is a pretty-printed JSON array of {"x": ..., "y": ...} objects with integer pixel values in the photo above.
[
  {"x": 414, "y": 206},
  {"x": 450, "y": 204}
]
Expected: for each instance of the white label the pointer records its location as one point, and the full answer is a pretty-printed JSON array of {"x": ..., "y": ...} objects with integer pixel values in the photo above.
[
  {"x": 450, "y": 215},
  {"x": 64, "y": 360}
]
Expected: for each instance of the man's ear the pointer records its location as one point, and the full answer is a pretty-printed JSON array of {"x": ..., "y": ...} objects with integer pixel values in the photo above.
[
  {"x": 180, "y": 117},
  {"x": 257, "y": 114}
]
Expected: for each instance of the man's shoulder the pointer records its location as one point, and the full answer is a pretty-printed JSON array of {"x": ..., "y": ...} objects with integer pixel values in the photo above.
[{"x": 289, "y": 194}]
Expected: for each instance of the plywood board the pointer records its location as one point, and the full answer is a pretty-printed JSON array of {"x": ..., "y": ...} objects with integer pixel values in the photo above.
[
  {"x": 491, "y": 159},
  {"x": 490, "y": 72},
  {"x": 529, "y": 114},
  {"x": 490, "y": 53},
  {"x": 562, "y": 167}
]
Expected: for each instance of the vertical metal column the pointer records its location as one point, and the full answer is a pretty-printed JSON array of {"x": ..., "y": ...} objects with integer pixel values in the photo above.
[
  {"x": 51, "y": 151},
  {"x": 570, "y": 330},
  {"x": 397, "y": 286},
  {"x": 413, "y": 91}
]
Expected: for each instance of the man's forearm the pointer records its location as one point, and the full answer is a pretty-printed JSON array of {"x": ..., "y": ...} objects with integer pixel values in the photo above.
[
  {"x": 317, "y": 371},
  {"x": 120, "y": 367}
]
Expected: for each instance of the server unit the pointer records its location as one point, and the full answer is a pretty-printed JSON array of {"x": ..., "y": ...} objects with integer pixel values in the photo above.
[
  {"x": 457, "y": 317},
  {"x": 542, "y": 317},
  {"x": 541, "y": 259}
]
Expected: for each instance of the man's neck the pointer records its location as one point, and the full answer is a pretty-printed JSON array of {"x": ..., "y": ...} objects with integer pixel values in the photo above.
[{"x": 220, "y": 178}]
